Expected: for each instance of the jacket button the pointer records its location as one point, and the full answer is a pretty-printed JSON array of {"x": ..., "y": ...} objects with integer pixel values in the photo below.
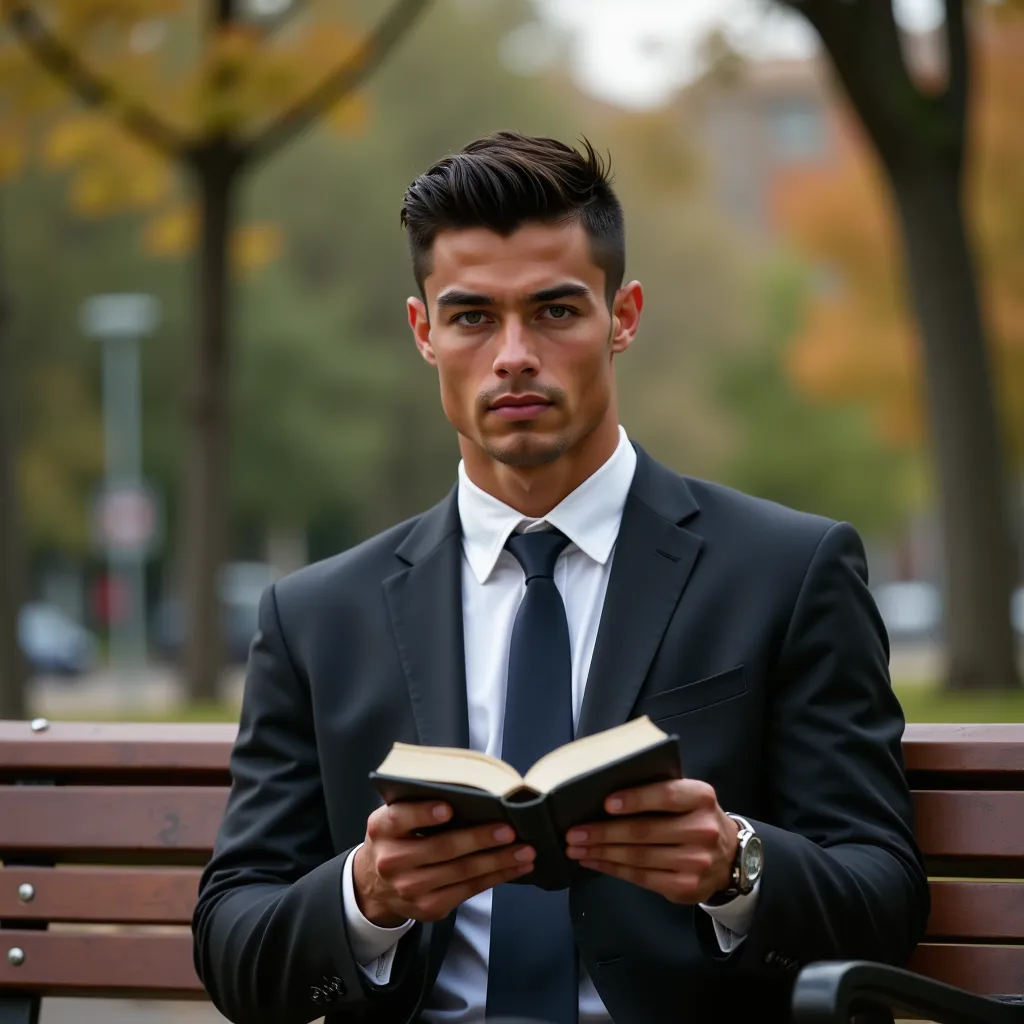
[{"x": 316, "y": 994}]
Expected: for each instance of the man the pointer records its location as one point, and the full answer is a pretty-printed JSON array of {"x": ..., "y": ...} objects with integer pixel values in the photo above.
[{"x": 567, "y": 583}]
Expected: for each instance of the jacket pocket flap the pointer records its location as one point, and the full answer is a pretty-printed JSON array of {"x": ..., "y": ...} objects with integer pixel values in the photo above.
[{"x": 693, "y": 696}]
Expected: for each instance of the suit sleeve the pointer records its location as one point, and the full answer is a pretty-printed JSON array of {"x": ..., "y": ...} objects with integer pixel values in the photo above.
[
  {"x": 843, "y": 876},
  {"x": 270, "y": 939}
]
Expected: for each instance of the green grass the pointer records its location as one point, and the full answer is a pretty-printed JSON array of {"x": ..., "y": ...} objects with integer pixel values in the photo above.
[
  {"x": 930, "y": 703},
  {"x": 922, "y": 702},
  {"x": 185, "y": 713}
]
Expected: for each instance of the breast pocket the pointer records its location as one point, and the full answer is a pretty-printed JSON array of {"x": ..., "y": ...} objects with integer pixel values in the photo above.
[{"x": 695, "y": 696}]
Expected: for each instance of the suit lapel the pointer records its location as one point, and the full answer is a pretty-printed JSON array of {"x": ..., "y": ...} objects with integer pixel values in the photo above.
[
  {"x": 425, "y": 603},
  {"x": 653, "y": 559}
]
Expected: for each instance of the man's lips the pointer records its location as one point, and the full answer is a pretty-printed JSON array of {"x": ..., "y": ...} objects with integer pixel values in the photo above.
[{"x": 519, "y": 407}]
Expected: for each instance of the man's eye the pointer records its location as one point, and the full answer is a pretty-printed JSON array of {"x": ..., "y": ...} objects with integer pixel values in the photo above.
[
  {"x": 558, "y": 312},
  {"x": 473, "y": 318}
]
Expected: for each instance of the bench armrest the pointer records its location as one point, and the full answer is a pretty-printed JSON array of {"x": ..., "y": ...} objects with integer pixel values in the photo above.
[{"x": 830, "y": 992}]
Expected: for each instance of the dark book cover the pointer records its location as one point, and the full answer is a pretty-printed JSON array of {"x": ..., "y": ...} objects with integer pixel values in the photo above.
[{"x": 542, "y": 820}]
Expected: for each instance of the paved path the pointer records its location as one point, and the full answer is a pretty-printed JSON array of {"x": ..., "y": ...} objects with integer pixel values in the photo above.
[{"x": 110, "y": 1011}]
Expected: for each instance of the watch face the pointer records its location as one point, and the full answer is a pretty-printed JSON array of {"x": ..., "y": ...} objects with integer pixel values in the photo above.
[{"x": 753, "y": 860}]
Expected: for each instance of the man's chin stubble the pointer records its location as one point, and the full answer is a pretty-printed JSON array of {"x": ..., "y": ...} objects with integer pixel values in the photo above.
[{"x": 525, "y": 453}]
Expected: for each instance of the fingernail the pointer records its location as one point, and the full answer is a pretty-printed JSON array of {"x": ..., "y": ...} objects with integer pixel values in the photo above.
[
  {"x": 503, "y": 834},
  {"x": 614, "y": 804},
  {"x": 523, "y": 868},
  {"x": 441, "y": 812},
  {"x": 576, "y": 852},
  {"x": 591, "y": 864},
  {"x": 526, "y": 853},
  {"x": 577, "y": 835}
]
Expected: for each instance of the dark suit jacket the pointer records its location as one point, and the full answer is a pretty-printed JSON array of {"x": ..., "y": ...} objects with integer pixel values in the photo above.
[{"x": 744, "y": 627}]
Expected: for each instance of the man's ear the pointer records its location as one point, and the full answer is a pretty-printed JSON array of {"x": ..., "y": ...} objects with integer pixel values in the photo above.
[
  {"x": 419, "y": 321},
  {"x": 626, "y": 309}
]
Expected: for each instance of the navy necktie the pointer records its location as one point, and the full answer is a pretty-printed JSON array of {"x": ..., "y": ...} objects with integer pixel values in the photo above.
[{"x": 532, "y": 965}]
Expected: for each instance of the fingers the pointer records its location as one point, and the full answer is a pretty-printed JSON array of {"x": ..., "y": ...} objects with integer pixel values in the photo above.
[
  {"x": 678, "y": 796},
  {"x": 441, "y": 902},
  {"x": 688, "y": 860},
  {"x": 464, "y": 870},
  {"x": 699, "y": 829},
  {"x": 406, "y": 818}
]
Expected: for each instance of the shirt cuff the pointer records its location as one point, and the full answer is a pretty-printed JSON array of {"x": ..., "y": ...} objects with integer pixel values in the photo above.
[
  {"x": 373, "y": 947},
  {"x": 731, "y": 920}
]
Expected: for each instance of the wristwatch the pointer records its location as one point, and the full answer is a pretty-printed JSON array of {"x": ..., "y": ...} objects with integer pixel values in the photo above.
[{"x": 747, "y": 865}]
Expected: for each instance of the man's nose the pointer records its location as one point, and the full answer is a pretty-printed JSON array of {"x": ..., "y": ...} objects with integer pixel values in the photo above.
[{"x": 516, "y": 352}]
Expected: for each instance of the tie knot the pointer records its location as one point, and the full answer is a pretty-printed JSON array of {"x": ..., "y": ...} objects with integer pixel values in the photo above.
[{"x": 537, "y": 552}]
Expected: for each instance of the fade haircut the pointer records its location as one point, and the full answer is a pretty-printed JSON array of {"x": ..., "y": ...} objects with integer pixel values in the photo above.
[{"x": 506, "y": 180}]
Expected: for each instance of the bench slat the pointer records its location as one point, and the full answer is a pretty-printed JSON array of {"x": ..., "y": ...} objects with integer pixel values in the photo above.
[
  {"x": 970, "y": 824},
  {"x": 984, "y": 970},
  {"x": 987, "y": 911},
  {"x": 121, "y": 748},
  {"x": 155, "y": 824},
  {"x": 156, "y": 966},
  {"x": 133, "y": 896},
  {"x": 986, "y": 749}
]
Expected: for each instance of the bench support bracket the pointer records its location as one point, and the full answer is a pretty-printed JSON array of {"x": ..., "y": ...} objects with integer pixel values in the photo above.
[{"x": 19, "y": 1009}]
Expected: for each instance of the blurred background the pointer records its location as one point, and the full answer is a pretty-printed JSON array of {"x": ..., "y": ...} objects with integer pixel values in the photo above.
[{"x": 206, "y": 378}]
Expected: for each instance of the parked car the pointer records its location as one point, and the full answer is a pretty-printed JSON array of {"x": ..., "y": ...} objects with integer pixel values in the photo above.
[
  {"x": 910, "y": 609},
  {"x": 1017, "y": 611},
  {"x": 52, "y": 643},
  {"x": 240, "y": 586}
]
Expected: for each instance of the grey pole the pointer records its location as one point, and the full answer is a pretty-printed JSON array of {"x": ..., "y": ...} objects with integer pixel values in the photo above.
[
  {"x": 119, "y": 322},
  {"x": 122, "y": 427}
]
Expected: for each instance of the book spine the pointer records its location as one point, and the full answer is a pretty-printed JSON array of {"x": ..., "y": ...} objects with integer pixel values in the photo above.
[{"x": 534, "y": 825}]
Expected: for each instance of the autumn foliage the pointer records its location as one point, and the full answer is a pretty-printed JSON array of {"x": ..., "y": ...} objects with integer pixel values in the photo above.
[
  {"x": 859, "y": 341},
  {"x": 163, "y": 82}
]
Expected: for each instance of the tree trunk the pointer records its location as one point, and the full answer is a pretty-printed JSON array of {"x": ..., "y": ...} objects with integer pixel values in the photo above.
[
  {"x": 205, "y": 521},
  {"x": 968, "y": 447},
  {"x": 13, "y": 674}
]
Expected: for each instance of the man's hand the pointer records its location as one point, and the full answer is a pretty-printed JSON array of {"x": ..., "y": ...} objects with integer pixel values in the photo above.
[
  {"x": 685, "y": 852},
  {"x": 398, "y": 875}
]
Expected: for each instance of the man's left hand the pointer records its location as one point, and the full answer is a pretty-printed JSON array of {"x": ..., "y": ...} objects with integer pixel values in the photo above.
[{"x": 685, "y": 851}]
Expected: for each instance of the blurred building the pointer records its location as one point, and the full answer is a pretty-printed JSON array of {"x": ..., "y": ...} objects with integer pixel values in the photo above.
[
  {"x": 762, "y": 128},
  {"x": 761, "y": 125}
]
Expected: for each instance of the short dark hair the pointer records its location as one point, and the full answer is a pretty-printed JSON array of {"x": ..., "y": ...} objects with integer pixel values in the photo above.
[{"x": 505, "y": 180}]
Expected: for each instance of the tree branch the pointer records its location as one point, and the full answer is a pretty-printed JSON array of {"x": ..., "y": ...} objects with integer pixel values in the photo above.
[
  {"x": 340, "y": 82},
  {"x": 862, "y": 40},
  {"x": 92, "y": 89},
  {"x": 959, "y": 64}
]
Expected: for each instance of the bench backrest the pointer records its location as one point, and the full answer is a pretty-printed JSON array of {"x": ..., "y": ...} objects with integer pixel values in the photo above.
[
  {"x": 104, "y": 828},
  {"x": 968, "y": 783}
]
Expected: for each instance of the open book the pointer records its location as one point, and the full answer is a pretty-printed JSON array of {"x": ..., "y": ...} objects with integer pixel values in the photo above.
[{"x": 564, "y": 788}]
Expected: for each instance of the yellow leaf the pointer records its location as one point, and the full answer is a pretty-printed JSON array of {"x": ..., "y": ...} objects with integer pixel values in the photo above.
[
  {"x": 68, "y": 141},
  {"x": 173, "y": 233},
  {"x": 255, "y": 246},
  {"x": 351, "y": 115}
]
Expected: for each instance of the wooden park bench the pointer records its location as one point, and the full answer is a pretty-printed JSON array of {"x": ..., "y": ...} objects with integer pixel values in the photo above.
[{"x": 104, "y": 829}]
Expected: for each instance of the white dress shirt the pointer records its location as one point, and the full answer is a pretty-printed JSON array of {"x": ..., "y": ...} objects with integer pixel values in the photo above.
[{"x": 492, "y": 588}]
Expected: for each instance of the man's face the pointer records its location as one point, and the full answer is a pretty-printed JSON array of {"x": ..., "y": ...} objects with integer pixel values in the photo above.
[{"x": 522, "y": 338}]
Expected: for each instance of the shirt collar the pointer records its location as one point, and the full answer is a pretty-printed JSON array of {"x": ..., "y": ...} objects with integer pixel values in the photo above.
[{"x": 589, "y": 516}]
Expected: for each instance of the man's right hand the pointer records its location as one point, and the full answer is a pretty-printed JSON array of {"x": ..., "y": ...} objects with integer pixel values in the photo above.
[{"x": 398, "y": 875}]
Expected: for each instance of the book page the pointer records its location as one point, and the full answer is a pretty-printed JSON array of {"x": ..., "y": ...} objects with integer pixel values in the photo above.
[
  {"x": 452, "y": 765},
  {"x": 582, "y": 756}
]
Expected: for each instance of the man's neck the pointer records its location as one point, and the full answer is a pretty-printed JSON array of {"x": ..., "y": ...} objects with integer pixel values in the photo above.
[{"x": 535, "y": 490}]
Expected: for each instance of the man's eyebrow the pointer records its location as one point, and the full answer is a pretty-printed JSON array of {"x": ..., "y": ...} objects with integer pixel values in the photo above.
[
  {"x": 454, "y": 297},
  {"x": 561, "y": 291}
]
